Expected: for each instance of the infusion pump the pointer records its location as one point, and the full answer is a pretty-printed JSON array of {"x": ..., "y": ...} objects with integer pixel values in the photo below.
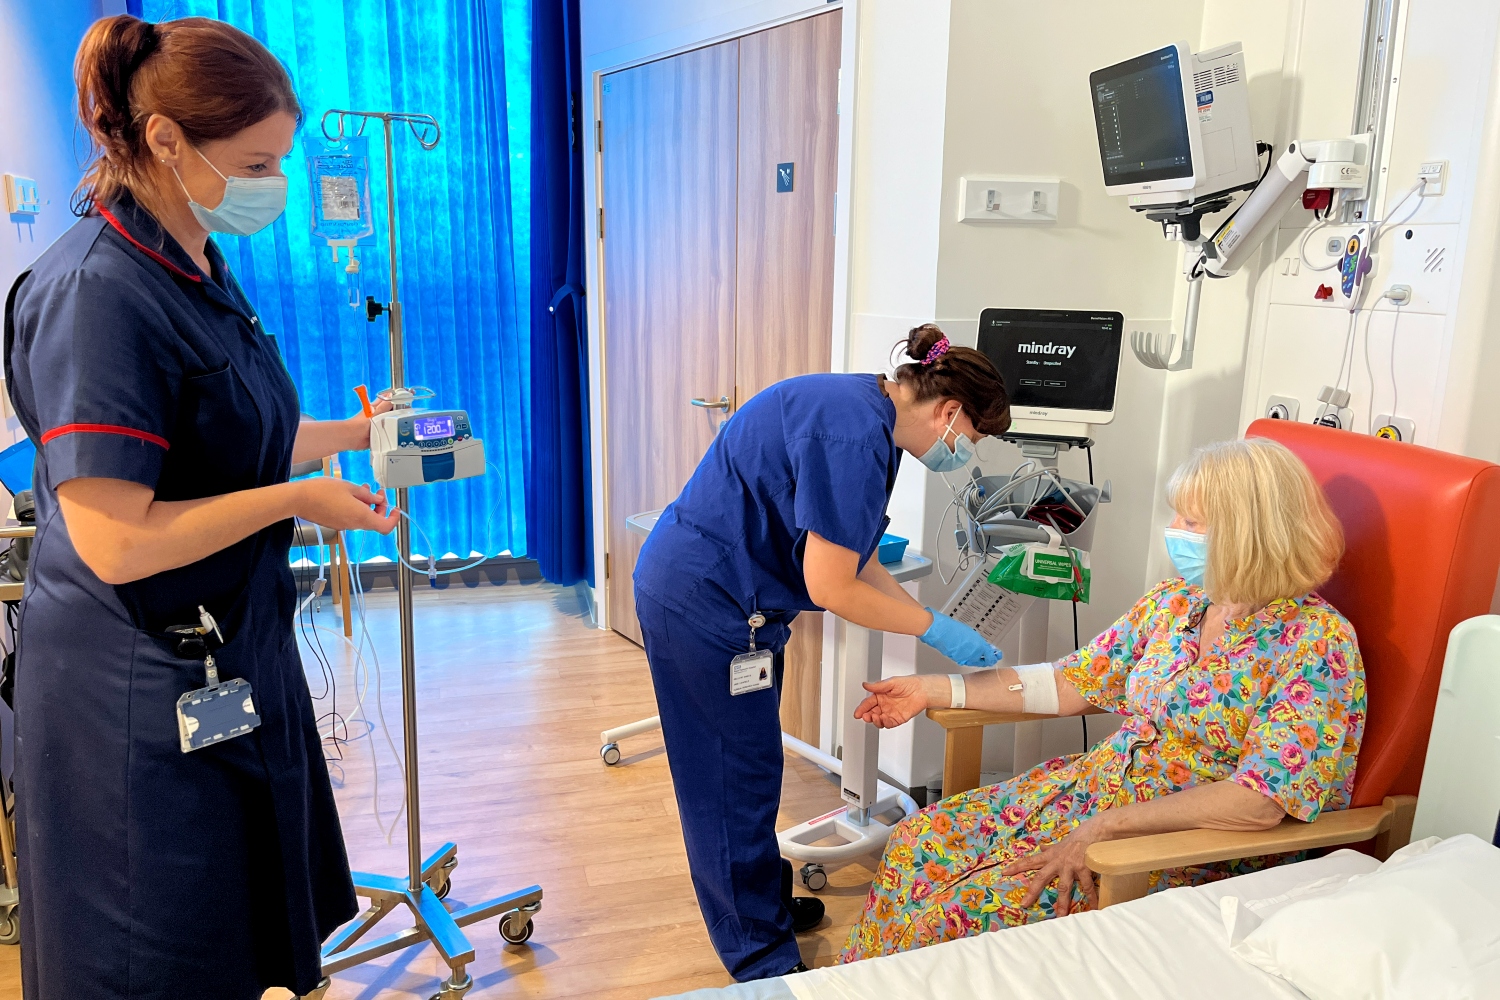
[{"x": 411, "y": 447}]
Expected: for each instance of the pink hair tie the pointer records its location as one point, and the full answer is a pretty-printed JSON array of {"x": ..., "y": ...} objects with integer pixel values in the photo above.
[{"x": 938, "y": 350}]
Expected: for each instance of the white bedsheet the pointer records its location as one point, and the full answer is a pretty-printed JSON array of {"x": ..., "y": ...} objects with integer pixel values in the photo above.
[{"x": 1169, "y": 945}]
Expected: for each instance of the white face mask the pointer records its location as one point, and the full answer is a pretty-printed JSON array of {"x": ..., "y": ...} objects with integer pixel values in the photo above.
[{"x": 250, "y": 203}]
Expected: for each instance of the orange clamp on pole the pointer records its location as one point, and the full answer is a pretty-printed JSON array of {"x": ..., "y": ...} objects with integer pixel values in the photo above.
[{"x": 364, "y": 400}]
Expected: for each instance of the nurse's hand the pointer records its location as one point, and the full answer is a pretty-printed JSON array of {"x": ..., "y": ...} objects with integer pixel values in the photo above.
[
  {"x": 344, "y": 506},
  {"x": 357, "y": 427},
  {"x": 895, "y": 701},
  {"x": 959, "y": 642}
]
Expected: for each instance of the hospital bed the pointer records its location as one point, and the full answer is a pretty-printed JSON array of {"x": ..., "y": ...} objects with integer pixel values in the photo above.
[{"x": 1178, "y": 944}]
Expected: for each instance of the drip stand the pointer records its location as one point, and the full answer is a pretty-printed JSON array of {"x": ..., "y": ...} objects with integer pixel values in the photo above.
[{"x": 428, "y": 879}]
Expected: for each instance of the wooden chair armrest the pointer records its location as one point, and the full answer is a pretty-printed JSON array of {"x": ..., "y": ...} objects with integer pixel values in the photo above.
[
  {"x": 963, "y": 718},
  {"x": 1123, "y": 866}
]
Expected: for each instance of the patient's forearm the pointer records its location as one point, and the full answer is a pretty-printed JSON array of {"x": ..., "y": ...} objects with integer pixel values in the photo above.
[
  {"x": 1221, "y": 805},
  {"x": 990, "y": 691}
]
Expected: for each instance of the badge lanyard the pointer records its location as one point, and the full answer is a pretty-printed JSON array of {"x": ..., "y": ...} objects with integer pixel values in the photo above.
[
  {"x": 220, "y": 711},
  {"x": 754, "y": 670}
]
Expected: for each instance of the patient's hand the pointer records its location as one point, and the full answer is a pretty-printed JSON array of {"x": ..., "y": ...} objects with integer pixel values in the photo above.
[
  {"x": 1062, "y": 862},
  {"x": 895, "y": 701}
]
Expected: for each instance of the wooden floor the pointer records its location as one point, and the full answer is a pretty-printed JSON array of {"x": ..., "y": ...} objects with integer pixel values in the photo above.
[{"x": 514, "y": 686}]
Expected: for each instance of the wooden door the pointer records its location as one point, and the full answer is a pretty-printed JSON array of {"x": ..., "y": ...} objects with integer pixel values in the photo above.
[
  {"x": 789, "y": 81},
  {"x": 668, "y": 168}
]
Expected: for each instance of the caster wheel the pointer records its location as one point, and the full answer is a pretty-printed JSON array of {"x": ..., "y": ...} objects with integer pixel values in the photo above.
[
  {"x": 10, "y": 927},
  {"x": 442, "y": 889},
  {"x": 611, "y": 753},
  {"x": 814, "y": 877},
  {"x": 513, "y": 930},
  {"x": 318, "y": 991}
]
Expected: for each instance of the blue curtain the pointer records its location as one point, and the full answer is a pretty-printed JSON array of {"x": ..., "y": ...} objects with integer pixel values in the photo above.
[
  {"x": 464, "y": 278},
  {"x": 559, "y": 524}
]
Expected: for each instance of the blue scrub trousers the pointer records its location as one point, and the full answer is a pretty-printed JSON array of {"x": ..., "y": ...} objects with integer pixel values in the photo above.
[{"x": 726, "y": 759}]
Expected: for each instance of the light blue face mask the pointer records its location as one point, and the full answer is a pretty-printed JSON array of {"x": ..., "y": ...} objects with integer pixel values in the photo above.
[
  {"x": 941, "y": 458},
  {"x": 1189, "y": 552},
  {"x": 250, "y": 203}
]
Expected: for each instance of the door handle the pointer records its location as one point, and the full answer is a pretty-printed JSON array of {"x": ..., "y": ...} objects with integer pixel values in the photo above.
[{"x": 722, "y": 404}]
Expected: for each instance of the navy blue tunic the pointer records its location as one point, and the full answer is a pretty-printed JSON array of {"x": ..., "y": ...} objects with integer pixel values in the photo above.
[{"x": 147, "y": 872}]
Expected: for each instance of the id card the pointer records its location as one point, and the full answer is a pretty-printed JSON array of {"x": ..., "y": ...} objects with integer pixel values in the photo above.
[
  {"x": 214, "y": 714},
  {"x": 752, "y": 672}
]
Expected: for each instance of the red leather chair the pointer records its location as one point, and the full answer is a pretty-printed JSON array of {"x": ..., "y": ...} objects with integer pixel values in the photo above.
[{"x": 1422, "y": 553}]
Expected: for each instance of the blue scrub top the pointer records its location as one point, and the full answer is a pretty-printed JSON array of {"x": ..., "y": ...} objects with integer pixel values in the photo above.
[{"x": 812, "y": 453}]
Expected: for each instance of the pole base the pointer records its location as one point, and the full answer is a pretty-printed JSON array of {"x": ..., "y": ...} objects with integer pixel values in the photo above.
[{"x": 432, "y": 921}]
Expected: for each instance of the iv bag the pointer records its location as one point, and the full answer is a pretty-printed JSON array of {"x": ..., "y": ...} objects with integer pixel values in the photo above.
[{"x": 338, "y": 174}]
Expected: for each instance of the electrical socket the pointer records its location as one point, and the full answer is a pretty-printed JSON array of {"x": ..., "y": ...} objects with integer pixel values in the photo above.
[
  {"x": 1283, "y": 408},
  {"x": 1394, "y": 428}
]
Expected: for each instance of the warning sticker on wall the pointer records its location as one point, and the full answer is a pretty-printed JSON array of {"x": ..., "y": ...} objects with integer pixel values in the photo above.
[{"x": 1205, "y": 105}]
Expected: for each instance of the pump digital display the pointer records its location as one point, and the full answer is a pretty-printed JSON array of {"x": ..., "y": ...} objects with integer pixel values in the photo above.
[
  {"x": 1054, "y": 359},
  {"x": 1142, "y": 119},
  {"x": 432, "y": 428}
]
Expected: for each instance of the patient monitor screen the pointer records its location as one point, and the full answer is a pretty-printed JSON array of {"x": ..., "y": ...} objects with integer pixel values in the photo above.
[
  {"x": 1054, "y": 359},
  {"x": 1142, "y": 119}
]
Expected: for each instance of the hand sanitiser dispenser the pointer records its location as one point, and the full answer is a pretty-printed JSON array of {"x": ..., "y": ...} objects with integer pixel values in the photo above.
[{"x": 409, "y": 447}]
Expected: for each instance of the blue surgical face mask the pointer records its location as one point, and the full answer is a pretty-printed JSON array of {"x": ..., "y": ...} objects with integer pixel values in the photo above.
[
  {"x": 250, "y": 203},
  {"x": 941, "y": 458},
  {"x": 1189, "y": 552}
]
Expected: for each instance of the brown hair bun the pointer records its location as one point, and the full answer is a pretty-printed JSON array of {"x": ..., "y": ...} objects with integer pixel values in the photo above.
[{"x": 960, "y": 373}]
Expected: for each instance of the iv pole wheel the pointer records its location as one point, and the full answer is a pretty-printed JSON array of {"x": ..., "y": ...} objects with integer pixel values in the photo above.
[
  {"x": 318, "y": 991},
  {"x": 611, "y": 753},
  {"x": 441, "y": 882},
  {"x": 10, "y": 927},
  {"x": 814, "y": 877},
  {"x": 516, "y": 926},
  {"x": 454, "y": 991}
]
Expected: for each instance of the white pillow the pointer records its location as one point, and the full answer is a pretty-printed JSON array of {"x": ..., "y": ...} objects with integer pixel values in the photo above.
[{"x": 1424, "y": 926}]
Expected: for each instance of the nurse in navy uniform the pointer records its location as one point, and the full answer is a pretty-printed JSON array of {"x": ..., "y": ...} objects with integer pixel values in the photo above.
[{"x": 167, "y": 426}]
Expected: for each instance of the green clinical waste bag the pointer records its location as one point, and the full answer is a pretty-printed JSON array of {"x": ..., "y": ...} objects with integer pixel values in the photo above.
[{"x": 1057, "y": 573}]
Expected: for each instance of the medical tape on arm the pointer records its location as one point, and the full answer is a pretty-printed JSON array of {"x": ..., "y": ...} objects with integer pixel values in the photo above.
[{"x": 1038, "y": 687}]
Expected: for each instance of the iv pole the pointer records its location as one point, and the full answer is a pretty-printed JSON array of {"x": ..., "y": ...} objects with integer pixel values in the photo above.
[{"x": 428, "y": 880}]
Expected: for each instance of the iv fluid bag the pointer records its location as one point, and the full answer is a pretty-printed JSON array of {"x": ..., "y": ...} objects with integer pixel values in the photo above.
[{"x": 338, "y": 174}]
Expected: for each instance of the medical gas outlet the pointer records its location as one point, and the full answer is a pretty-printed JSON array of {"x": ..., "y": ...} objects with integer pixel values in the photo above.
[{"x": 413, "y": 447}]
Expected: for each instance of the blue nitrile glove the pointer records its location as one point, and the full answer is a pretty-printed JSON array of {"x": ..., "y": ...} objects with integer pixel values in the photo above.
[{"x": 959, "y": 642}]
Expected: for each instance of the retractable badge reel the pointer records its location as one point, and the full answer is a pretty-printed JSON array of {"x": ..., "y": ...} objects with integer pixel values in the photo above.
[
  {"x": 752, "y": 671},
  {"x": 217, "y": 712}
]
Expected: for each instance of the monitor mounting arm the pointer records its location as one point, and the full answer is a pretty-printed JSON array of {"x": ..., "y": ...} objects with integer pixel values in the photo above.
[{"x": 1340, "y": 164}]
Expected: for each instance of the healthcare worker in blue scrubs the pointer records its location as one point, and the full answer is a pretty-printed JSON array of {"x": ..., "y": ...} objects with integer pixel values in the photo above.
[
  {"x": 167, "y": 426},
  {"x": 783, "y": 515}
]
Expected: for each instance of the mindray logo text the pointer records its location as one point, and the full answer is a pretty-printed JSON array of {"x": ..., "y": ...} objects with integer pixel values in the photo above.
[{"x": 1048, "y": 348}]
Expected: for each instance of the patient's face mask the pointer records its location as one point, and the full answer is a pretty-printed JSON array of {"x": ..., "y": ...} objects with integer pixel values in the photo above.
[
  {"x": 250, "y": 203},
  {"x": 941, "y": 458},
  {"x": 1189, "y": 552}
]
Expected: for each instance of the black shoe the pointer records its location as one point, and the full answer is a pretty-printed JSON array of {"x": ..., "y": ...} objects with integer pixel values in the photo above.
[
  {"x": 807, "y": 913},
  {"x": 799, "y": 967}
]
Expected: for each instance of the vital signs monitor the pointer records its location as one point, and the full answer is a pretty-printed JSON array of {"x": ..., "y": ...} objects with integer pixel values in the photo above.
[
  {"x": 1060, "y": 366},
  {"x": 1174, "y": 125}
]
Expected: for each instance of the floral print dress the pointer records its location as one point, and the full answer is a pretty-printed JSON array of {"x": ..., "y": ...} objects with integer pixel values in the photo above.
[{"x": 1278, "y": 705}]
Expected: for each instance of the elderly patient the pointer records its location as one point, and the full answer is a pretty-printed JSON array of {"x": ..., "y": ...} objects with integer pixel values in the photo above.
[{"x": 1243, "y": 699}]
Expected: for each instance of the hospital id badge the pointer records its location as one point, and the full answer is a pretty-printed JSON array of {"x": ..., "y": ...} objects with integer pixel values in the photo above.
[
  {"x": 750, "y": 672},
  {"x": 214, "y": 714}
]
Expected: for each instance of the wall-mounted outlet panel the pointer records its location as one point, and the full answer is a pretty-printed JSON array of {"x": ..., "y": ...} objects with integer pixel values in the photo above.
[{"x": 1008, "y": 199}]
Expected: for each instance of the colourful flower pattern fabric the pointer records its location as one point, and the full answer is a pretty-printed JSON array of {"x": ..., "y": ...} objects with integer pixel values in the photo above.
[{"x": 1278, "y": 706}]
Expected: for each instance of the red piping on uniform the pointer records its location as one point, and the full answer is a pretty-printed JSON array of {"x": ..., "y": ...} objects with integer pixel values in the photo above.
[
  {"x": 109, "y": 217},
  {"x": 147, "y": 436}
]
